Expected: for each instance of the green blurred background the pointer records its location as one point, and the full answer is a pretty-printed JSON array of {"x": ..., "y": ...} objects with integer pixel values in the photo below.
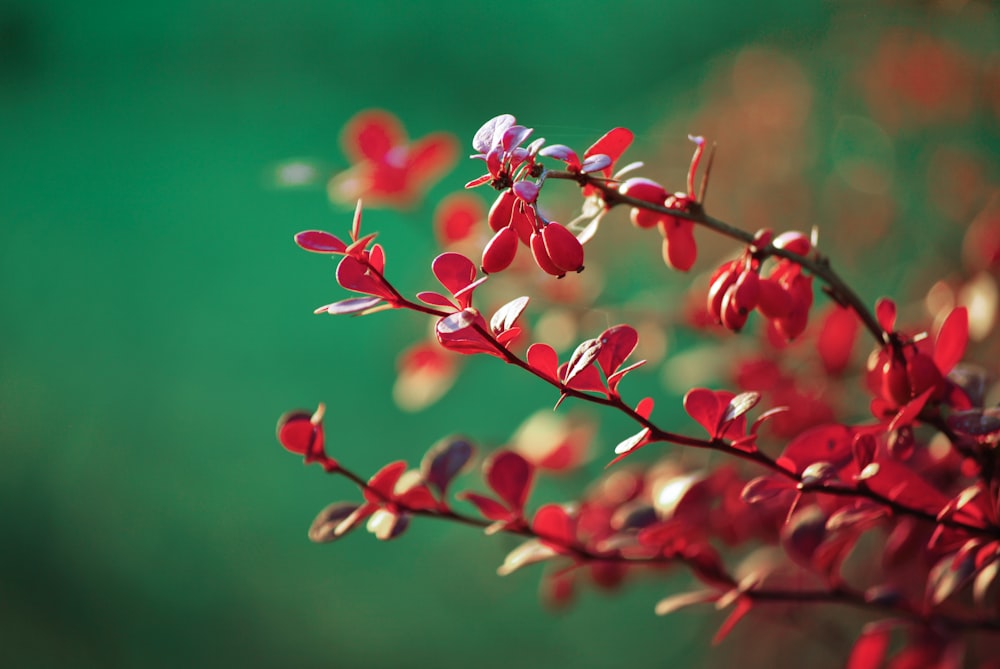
[{"x": 156, "y": 318}]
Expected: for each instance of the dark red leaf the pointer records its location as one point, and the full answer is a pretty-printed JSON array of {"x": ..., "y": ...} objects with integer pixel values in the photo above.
[
  {"x": 899, "y": 483},
  {"x": 323, "y": 528},
  {"x": 617, "y": 344},
  {"x": 827, "y": 443},
  {"x": 510, "y": 476},
  {"x": 803, "y": 533},
  {"x": 444, "y": 461}
]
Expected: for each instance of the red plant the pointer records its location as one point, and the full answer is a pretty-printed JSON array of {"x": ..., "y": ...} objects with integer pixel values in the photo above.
[{"x": 802, "y": 474}]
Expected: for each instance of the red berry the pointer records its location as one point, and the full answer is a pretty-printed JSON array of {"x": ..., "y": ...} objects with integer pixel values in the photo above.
[
  {"x": 500, "y": 251},
  {"x": 541, "y": 256},
  {"x": 679, "y": 248},
  {"x": 563, "y": 247}
]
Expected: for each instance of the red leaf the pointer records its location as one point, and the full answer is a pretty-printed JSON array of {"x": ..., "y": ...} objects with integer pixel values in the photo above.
[
  {"x": 435, "y": 299},
  {"x": 617, "y": 344},
  {"x": 554, "y": 526},
  {"x": 454, "y": 271},
  {"x": 507, "y": 315},
  {"x": 617, "y": 377},
  {"x": 743, "y": 606},
  {"x": 870, "y": 648},
  {"x": 489, "y": 507},
  {"x": 298, "y": 434},
  {"x": 588, "y": 379},
  {"x": 318, "y": 241},
  {"x": 456, "y": 332},
  {"x": 702, "y": 405},
  {"x": 542, "y": 358},
  {"x": 823, "y": 443},
  {"x": 352, "y": 274},
  {"x": 901, "y": 484},
  {"x": 612, "y": 143},
  {"x": 949, "y": 345},
  {"x": 645, "y": 407},
  {"x": 510, "y": 476},
  {"x": 837, "y": 335},
  {"x": 381, "y": 485}
]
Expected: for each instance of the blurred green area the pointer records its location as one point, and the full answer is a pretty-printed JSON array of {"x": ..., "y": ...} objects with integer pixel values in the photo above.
[{"x": 156, "y": 318}]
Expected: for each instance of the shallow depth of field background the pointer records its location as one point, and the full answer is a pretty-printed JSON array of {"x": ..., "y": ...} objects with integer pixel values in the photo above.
[{"x": 156, "y": 317}]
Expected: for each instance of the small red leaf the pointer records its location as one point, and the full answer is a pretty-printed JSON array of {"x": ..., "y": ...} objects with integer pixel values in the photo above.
[
  {"x": 318, "y": 241},
  {"x": 823, "y": 443},
  {"x": 885, "y": 312},
  {"x": 617, "y": 344},
  {"x": 454, "y": 271},
  {"x": 543, "y": 359},
  {"x": 645, "y": 407},
  {"x": 949, "y": 345},
  {"x": 582, "y": 357},
  {"x": 554, "y": 526},
  {"x": 702, "y": 405},
  {"x": 382, "y": 483},
  {"x": 837, "y": 335},
  {"x": 510, "y": 476},
  {"x": 435, "y": 299},
  {"x": 743, "y": 606},
  {"x": 507, "y": 315},
  {"x": 444, "y": 461},
  {"x": 488, "y": 507}
]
